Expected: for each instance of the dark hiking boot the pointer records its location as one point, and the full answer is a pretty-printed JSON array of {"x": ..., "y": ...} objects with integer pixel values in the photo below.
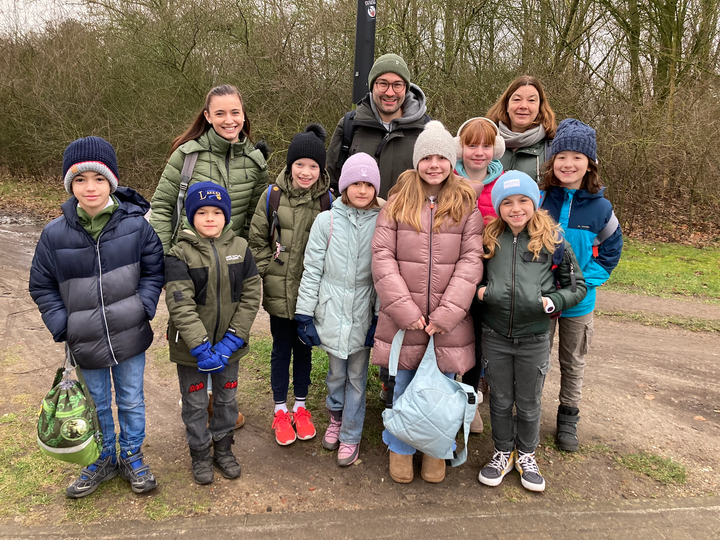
[
  {"x": 224, "y": 458},
  {"x": 567, "y": 420},
  {"x": 202, "y": 468}
]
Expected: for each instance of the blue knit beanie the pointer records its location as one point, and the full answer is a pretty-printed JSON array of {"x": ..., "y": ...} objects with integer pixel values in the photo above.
[
  {"x": 90, "y": 154},
  {"x": 514, "y": 183},
  {"x": 206, "y": 194},
  {"x": 574, "y": 136}
]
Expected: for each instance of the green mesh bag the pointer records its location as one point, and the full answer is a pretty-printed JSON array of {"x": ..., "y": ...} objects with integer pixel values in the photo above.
[{"x": 68, "y": 427}]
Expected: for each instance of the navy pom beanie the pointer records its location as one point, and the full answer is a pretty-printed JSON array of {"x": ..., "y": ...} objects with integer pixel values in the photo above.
[{"x": 206, "y": 194}]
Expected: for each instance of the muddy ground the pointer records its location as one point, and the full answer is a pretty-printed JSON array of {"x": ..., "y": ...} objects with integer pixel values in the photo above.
[{"x": 647, "y": 389}]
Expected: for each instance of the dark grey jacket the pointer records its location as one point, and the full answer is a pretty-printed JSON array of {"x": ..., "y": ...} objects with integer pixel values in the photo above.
[{"x": 99, "y": 296}]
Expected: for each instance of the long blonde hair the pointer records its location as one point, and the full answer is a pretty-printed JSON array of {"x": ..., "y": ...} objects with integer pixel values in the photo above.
[
  {"x": 542, "y": 229},
  {"x": 455, "y": 200}
]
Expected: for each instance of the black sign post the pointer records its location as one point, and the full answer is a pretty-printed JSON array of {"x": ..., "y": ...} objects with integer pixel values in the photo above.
[{"x": 364, "y": 47}]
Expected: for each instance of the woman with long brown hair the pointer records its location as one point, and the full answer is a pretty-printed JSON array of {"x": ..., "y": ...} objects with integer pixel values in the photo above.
[
  {"x": 220, "y": 136},
  {"x": 527, "y": 124}
]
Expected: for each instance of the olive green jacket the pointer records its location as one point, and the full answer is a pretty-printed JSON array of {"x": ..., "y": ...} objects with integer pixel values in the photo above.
[
  {"x": 296, "y": 213},
  {"x": 239, "y": 167},
  {"x": 528, "y": 160},
  {"x": 212, "y": 285}
]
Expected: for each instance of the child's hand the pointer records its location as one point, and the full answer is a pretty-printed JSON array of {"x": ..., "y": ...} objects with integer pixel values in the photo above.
[
  {"x": 306, "y": 330},
  {"x": 481, "y": 293},
  {"x": 432, "y": 329},
  {"x": 417, "y": 325},
  {"x": 545, "y": 303}
]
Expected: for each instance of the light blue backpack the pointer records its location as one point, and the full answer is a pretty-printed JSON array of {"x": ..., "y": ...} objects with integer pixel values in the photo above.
[{"x": 432, "y": 409}]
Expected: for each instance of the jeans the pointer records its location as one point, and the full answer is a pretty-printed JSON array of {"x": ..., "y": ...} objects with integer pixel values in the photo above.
[
  {"x": 516, "y": 369},
  {"x": 346, "y": 382},
  {"x": 402, "y": 380},
  {"x": 286, "y": 344},
  {"x": 575, "y": 337},
  {"x": 127, "y": 378},
  {"x": 193, "y": 387}
]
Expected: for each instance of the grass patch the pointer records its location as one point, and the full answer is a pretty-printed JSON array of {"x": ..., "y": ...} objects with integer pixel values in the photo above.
[
  {"x": 28, "y": 478},
  {"x": 663, "y": 470},
  {"x": 35, "y": 197},
  {"x": 645, "y": 318},
  {"x": 157, "y": 509},
  {"x": 513, "y": 494},
  {"x": 254, "y": 388},
  {"x": 668, "y": 270},
  {"x": 11, "y": 356}
]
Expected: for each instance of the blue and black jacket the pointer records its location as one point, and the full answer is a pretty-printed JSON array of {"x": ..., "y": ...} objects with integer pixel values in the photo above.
[{"x": 582, "y": 215}]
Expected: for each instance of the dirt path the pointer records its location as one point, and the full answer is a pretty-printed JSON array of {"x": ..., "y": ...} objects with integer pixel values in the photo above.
[{"x": 647, "y": 389}]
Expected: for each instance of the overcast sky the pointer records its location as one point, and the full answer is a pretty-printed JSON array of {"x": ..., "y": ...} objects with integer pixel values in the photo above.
[{"x": 22, "y": 15}]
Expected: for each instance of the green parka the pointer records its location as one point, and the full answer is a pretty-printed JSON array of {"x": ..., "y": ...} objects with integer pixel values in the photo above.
[
  {"x": 212, "y": 285},
  {"x": 296, "y": 213},
  {"x": 528, "y": 160},
  {"x": 239, "y": 167},
  {"x": 512, "y": 304}
]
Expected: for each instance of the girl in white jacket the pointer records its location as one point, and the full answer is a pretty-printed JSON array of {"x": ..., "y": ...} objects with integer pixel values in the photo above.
[{"x": 337, "y": 305}]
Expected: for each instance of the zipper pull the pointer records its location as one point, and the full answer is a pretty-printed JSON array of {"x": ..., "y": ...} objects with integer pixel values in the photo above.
[
  {"x": 177, "y": 336},
  {"x": 573, "y": 281}
]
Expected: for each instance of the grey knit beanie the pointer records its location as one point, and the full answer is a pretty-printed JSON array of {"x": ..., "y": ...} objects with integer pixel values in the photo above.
[
  {"x": 389, "y": 63},
  {"x": 435, "y": 140},
  {"x": 574, "y": 136}
]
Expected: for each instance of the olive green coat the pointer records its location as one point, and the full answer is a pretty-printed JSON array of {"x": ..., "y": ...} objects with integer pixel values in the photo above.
[
  {"x": 212, "y": 285},
  {"x": 239, "y": 167},
  {"x": 296, "y": 214}
]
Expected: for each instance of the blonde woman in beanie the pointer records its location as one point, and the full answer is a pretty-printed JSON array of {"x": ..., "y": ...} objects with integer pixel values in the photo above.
[
  {"x": 337, "y": 299},
  {"x": 427, "y": 262}
]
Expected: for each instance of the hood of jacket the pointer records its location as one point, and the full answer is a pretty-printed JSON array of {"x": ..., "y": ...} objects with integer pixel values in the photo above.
[
  {"x": 130, "y": 203},
  {"x": 414, "y": 107}
]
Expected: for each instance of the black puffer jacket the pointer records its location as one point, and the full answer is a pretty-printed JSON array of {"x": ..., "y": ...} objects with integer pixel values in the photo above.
[{"x": 99, "y": 296}]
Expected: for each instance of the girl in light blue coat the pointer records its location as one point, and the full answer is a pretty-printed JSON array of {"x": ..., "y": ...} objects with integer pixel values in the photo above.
[{"x": 337, "y": 305}]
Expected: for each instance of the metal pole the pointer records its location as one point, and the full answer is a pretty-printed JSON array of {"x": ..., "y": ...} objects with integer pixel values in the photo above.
[{"x": 364, "y": 47}]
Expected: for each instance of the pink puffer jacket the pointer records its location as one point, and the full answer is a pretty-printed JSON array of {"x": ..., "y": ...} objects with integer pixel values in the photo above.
[{"x": 417, "y": 274}]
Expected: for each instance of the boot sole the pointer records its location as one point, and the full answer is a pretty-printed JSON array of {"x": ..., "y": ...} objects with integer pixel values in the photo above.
[
  {"x": 328, "y": 446},
  {"x": 225, "y": 475}
]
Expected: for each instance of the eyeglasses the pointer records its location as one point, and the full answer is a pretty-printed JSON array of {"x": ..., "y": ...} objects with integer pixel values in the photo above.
[{"x": 397, "y": 86}]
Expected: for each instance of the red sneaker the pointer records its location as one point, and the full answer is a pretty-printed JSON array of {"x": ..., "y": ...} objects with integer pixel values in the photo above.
[
  {"x": 284, "y": 432},
  {"x": 303, "y": 424}
]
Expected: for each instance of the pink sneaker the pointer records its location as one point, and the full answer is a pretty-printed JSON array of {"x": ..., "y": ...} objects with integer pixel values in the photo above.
[
  {"x": 303, "y": 424},
  {"x": 348, "y": 454},
  {"x": 331, "y": 440}
]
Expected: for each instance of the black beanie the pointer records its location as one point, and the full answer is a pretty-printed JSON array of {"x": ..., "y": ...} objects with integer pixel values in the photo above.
[
  {"x": 308, "y": 144},
  {"x": 90, "y": 154}
]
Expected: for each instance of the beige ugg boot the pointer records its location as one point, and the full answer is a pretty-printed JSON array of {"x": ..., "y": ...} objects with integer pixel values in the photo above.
[
  {"x": 433, "y": 469},
  {"x": 401, "y": 468}
]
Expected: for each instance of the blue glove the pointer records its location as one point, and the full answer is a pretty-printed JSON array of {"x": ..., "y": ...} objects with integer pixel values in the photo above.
[
  {"x": 228, "y": 345},
  {"x": 207, "y": 360},
  {"x": 306, "y": 330},
  {"x": 370, "y": 338}
]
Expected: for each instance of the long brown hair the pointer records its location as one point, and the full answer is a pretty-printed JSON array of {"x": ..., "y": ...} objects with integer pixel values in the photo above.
[
  {"x": 543, "y": 231},
  {"x": 200, "y": 125},
  {"x": 546, "y": 116},
  {"x": 591, "y": 181},
  {"x": 456, "y": 198}
]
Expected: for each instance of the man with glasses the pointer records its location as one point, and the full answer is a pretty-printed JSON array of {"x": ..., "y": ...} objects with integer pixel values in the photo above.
[{"x": 387, "y": 122}]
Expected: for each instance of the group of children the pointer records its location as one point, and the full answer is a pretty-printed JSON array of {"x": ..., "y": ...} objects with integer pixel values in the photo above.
[{"x": 454, "y": 231}]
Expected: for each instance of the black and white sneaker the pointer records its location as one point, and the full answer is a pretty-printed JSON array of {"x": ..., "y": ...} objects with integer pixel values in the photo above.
[
  {"x": 494, "y": 472},
  {"x": 529, "y": 472},
  {"x": 92, "y": 476},
  {"x": 136, "y": 472}
]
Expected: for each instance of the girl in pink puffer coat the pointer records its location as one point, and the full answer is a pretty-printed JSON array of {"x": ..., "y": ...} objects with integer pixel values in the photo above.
[{"x": 427, "y": 262}]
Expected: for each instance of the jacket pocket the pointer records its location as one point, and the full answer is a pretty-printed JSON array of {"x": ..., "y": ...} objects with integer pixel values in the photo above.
[{"x": 235, "y": 272}]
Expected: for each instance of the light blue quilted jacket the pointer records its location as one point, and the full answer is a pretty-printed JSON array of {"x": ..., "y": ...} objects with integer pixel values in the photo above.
[{"x": 337, "y": 285}]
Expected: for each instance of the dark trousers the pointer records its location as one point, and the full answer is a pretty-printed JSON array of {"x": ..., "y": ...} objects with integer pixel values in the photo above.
[
  {"x": 193, "y": 387},
  {"x": 287, "y": 345}
]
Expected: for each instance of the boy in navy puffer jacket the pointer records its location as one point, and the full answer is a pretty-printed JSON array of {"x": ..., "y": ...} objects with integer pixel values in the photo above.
[{"x": 96, "y": 277}]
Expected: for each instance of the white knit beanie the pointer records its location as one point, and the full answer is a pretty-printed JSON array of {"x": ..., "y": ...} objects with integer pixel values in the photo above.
[{"x": 435, "y": 140}]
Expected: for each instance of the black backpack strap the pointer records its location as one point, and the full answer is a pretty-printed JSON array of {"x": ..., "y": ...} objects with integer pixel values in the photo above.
[
  {"x": 271, "y": 208},
  {"x": 185, "y": 177},
  {"x": 326, "y": 200},
  {"x": 348, "y": 132}
]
